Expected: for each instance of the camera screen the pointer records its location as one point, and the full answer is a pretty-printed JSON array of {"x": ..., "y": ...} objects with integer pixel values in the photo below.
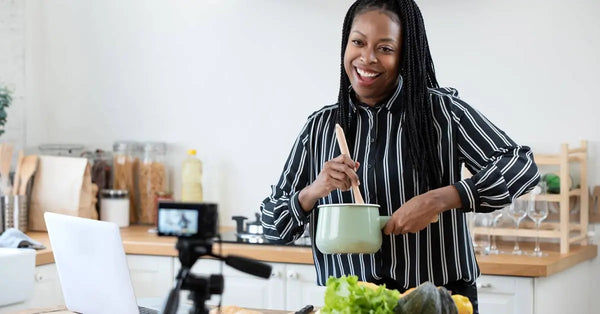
[
  {"x": 178, "y": 222},
  {"x": 184, "y": 219}
]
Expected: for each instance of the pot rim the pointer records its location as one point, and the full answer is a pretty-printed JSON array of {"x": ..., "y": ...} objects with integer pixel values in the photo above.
[{"x": 348, "y": 205}]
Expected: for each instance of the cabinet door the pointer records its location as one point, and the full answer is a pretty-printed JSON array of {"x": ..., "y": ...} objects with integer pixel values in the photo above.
[
  {"x": 47, "y": 291},
  {"x": 573, "y": 290},
  {"x": 151, "y": 276},
  {"x": 242, "y": 289},
  {"x": 503, "y": 294},
  {"x": 302, "y": 287}
]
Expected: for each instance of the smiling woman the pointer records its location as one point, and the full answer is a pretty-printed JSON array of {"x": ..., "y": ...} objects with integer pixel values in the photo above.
[{"x": 408, "y": 139}]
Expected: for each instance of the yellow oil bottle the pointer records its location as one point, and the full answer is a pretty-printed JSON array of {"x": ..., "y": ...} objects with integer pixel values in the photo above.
[{"x": 191, "y": 175}]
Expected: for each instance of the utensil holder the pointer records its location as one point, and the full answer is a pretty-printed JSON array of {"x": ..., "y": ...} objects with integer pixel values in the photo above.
[{"x": 15, "y": 212}]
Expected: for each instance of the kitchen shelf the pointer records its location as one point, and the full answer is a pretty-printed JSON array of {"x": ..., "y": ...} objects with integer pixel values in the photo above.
[{"x": 566, "y": 231}]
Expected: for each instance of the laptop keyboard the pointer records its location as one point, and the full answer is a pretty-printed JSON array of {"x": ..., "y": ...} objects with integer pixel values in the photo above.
[{"x": 145, "y": 310}]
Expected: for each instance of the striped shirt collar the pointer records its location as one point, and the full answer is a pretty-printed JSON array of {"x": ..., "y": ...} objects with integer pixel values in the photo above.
[{"x": 388, "y": 104}]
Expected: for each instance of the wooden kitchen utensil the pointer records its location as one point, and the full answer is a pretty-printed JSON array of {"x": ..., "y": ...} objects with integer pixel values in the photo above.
[
  {"x": 17, "y": 178},
  {"x": 341, "y": 139},
  {"x": 28, "y": 167},
  {"x": 6, "y": 150}
]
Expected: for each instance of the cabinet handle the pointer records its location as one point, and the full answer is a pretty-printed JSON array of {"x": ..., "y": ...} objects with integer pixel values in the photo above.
[
  {"x": 292, "y": 274},
  {"x": 486, "y": 285},
  {"x": 276, "y": 274}
]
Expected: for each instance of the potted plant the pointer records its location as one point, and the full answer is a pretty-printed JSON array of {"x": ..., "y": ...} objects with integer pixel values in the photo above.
[{"x": 5, "y": 100}]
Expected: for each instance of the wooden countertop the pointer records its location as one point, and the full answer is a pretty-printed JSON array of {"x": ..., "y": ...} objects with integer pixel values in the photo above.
[{"x": 137, "y": 240}]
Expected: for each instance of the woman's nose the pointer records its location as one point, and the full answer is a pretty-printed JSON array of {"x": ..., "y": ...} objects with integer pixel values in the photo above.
[{"x": 368, "y": 56}]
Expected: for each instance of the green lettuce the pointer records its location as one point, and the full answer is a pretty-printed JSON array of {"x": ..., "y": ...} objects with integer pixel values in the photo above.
[{"x": 343, "y": 295}]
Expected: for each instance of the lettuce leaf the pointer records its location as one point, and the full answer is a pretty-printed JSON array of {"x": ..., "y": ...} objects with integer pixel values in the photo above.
[{"x": 344, "y": 296}]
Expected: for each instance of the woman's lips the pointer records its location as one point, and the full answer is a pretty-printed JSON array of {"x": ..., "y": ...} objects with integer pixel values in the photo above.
[{"x": 366, "y": 77}]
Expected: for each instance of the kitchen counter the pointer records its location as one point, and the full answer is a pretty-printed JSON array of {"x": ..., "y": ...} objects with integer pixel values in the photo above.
[{"x": 137, "y": 240}]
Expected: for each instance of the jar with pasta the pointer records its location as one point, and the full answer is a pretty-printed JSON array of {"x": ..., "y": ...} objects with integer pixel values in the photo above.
[
  {"x": 152, "y": 179},
  {"x": 125, "y": 164}
]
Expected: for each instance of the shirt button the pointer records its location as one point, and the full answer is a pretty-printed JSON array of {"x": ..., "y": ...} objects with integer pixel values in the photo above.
[
  {"x": 370, "y": 166},
  {"x": 372, "y": 139}
]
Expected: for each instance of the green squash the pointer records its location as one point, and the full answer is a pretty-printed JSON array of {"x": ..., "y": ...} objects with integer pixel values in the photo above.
[{"x": 427, "y": 299}]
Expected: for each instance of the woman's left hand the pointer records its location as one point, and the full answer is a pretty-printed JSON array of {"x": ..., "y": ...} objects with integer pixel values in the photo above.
[{"x": 420, "y": 210}]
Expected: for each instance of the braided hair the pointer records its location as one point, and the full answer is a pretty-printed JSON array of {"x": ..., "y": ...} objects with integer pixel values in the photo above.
[{"x": 416, "y": 68}]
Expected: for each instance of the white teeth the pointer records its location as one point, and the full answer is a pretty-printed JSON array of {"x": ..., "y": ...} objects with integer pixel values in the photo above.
[{"x": 366, "y": 74}]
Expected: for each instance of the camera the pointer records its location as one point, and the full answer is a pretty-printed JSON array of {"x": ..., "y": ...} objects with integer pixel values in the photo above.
[{"x": 189, "y": 220}]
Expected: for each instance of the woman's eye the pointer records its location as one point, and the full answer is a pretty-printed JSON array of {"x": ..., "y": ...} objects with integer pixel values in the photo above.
[
  {"x": 357, "y": 42},
  {"x": 387, "y": 49}
]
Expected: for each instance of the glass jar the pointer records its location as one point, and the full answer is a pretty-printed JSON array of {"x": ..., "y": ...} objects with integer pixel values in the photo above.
[
  {"x": 125, "y": 164},
  {"x": 114, "y": 206},
  {"x": 152, "y": 179},
  {"x": 101, "y": 170}
]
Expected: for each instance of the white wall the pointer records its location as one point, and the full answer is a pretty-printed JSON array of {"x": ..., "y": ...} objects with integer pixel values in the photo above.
[
  {"x": 237, "y": 79},
  {"x": 12, "y": 68}
]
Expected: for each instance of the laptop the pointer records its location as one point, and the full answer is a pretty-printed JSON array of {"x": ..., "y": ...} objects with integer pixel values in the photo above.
[{"x": 91, "y": 265}]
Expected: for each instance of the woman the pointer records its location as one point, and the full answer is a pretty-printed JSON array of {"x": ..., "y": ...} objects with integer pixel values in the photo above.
[{"x": 408, "y": 139}]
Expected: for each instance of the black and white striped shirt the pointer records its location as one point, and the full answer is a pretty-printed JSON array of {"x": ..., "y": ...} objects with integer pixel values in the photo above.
[{"x": 440, "y": 253}]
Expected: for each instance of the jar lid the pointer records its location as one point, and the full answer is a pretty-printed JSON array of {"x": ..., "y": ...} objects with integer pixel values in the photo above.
[
  {"x": 114, "y": 193},
  {"x": 126, "y": 146},
  {"x": 158, "y": 147},
  {"x": 61, "y": 149}
]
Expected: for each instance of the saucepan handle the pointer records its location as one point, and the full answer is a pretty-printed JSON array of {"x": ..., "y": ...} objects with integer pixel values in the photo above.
[{"x": 383, "y": 220}]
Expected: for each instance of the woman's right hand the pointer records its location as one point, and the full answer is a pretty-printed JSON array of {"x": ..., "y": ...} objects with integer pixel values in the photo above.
[{"x": 337, "y": 173}]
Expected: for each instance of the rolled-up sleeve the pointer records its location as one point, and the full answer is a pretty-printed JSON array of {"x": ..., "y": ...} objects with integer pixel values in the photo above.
[
  {"x": 502, "y": 169},
  {"x": 282, "y": 217}
]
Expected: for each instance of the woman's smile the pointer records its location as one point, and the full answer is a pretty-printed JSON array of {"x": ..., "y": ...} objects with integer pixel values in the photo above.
[{"x": 366, "y": 77}]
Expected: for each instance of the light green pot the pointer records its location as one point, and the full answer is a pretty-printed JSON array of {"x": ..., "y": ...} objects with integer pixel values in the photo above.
[{"x": 349, "y": 228}]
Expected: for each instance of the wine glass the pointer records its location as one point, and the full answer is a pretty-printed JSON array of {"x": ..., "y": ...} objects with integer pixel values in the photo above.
[
  {"x": 471, "y": 225},
  {"x": 495, "y": 216},
  {"x": 517, "y": 211},
  {"x": 480, "y": 243},
  {"x": 538, "y": 211}
]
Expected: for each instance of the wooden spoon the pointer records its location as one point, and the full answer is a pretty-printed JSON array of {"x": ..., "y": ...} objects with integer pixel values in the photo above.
[
  {"x": 341, "y": 139},
  {"x": 18, "y": 173},
  {"x": 28, "y": 167}
]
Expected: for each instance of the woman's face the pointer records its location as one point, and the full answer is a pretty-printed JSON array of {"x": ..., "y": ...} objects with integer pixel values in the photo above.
[{"x": 372, "y": 56}]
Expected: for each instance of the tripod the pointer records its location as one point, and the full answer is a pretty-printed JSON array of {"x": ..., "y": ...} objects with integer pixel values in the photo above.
[{"x": 202, "y": 287}]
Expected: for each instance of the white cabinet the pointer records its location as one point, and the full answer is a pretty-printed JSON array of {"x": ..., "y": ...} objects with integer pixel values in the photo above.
[
  {"x": 46, "y": 291},
  {"x": 573, "y": 290},
  {"x": 301, "y": 287},
  {"x": 503, "y": 294},
  {"x": 151, "y": 276}
]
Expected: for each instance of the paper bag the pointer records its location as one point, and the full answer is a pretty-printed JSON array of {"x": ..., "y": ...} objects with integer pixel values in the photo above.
[{"x": 61, "y": 185}]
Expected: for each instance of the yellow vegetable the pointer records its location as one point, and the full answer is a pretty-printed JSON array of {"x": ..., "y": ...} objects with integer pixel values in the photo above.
[
  {"x": 369, "y": 285},
  {"x": 463, "y": 304},
  {"x": 408, "y": 291}
]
